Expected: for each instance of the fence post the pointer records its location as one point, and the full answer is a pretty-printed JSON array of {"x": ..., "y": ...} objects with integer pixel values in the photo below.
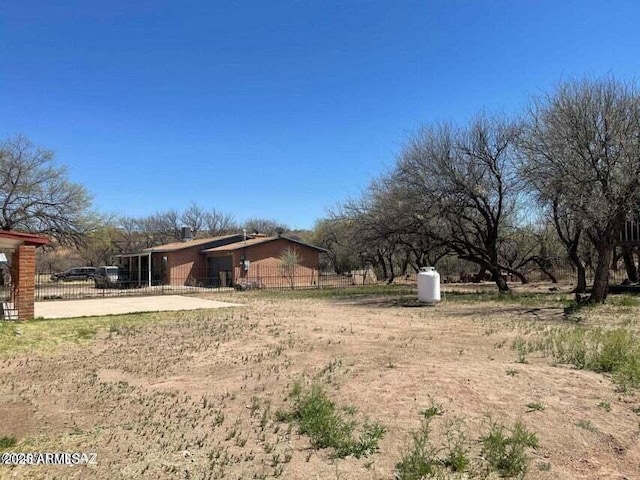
[{"x": 162, "y": 274}]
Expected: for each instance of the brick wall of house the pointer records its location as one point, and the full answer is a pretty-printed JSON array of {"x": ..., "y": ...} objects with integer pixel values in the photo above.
[
  {"x": 185, "y": 267},
  {"x": 266, "y": 267}
]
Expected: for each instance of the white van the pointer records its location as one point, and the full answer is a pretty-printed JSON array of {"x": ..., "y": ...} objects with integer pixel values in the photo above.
[{"x": 107, "y": 277}]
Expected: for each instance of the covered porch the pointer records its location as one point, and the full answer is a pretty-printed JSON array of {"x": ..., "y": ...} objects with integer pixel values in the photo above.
[{"x": 141, "y": 269}]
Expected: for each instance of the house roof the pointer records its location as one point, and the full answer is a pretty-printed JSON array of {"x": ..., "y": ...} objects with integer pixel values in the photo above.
[
  {"x": 200, "y": 242},
  {"x": 11, "y": 239},
  {"x": 230, "y": 247}
]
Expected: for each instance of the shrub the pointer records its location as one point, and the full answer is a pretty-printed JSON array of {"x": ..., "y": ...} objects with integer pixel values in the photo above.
[
  {"x": 318, "y": 417},
  {"x": 504, "y": 449},
  {"x": 420, "y": 459},
  {"x": 457, "y": 458}
]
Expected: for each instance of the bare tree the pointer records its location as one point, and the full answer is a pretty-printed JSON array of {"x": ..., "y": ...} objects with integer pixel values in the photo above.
[
  {"x": 290, "y": 260},
  {"x": 219, "y": 223},
  {"x": 209, "y": 223},
  {"x": 163, "y": 227},
  {"x": 36, "y": 195},
  {"x": 335, "y": 235},
  {"x": 387, "y": 233},
  {"x": 194, "y": 217},
  {"x": 583, "y": 140},
  {"x": 463, "y": 183},
  {"x": 263, "y": 225},
  {"x": 373, "y": 234},
  {"x": 132, "y": 237}
]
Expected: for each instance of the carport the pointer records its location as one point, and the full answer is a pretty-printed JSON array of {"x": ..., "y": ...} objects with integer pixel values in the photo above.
[{"x": 22, "y": 246}]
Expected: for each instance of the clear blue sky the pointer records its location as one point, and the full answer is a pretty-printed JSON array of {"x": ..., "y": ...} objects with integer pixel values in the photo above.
[{"x": 277, "y": 109}]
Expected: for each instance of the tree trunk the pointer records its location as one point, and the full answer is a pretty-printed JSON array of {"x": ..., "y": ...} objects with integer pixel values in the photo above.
[
  {"x": 480, "y": 275},
  {"x": 521, "y": 277},
  {"x": 499, "y": 279},
  {"x": 383, "y": 265},
  {"x": 419, "y": 260},
  {"x": 629, "y": 264},
  {"x": 543, "y": 269},
  {"x": 405, "y": 265},
  {"x": 392, "y": 273},
  {"x": 581, "y": 286},
  {"x": 551, "y": 276},
  {"x": 601, "y": 278}
]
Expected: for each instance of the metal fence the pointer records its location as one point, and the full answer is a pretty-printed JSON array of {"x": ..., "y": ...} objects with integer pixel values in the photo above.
[
  {"x": 7, "y": 309},
  {"x": 561, "y": 270},
  {"x": 189, "y": 280},
  {"x": 186, "y": 280}
]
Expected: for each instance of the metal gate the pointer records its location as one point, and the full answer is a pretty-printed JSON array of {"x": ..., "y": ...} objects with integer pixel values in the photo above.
[{"x": 8, "y": 311}]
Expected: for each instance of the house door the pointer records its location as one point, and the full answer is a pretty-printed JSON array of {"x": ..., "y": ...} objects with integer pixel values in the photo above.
[{"x": 221, "y": 271}]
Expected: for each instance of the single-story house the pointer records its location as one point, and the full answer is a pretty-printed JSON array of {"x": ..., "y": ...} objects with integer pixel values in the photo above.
[{"x": 224, "y": 261}]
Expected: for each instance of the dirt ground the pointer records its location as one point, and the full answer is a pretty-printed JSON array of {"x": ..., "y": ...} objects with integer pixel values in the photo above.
[{"x": 193, "y": 394}]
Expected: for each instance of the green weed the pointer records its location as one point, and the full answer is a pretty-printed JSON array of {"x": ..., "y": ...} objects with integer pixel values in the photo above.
[
  {"x": 505, "y": 449},
  {"x": 503, "y": 452},
  {"x": 587, "y": 425},
  {"x": 338, "y": 293},
  {"x": 420, "y": 459},
  {"x": 624, "y": 301},
  {"x": 544, "y": 466},
  {"x": 85, "y": 333},
  {"x": 7, "y": 442},
  {"x": 457, "y": 458},
  {"x": 521, "y": 346},
  {"x": 535, "y": 407},
  {"x": 434, "y": 409},
  {"x": 615, "y": 351},
  {"x": 318, "y": 417}
]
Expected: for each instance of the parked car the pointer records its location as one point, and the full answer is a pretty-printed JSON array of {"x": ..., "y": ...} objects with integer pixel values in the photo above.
[
  {"x": 107, "y": 277},
  {"x": 76, "y": 273}
]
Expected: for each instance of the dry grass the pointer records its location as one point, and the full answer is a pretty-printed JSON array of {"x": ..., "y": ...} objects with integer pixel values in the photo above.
[{"x": 195, "y": 394}]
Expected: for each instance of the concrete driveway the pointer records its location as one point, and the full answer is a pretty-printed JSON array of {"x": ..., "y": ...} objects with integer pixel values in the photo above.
[{"x": 120, "y": 305}]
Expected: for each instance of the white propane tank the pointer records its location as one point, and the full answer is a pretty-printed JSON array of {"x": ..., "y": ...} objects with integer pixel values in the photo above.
[{"x": 428, "y": 285}]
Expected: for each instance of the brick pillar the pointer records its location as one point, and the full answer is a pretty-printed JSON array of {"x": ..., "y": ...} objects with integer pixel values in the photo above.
[{"x": 23, "y": 280}]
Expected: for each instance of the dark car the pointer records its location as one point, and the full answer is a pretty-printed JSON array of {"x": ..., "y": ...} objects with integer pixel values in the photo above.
[
  {"x": 76, "y": 273},
  {"x": 107, "y": 277}
]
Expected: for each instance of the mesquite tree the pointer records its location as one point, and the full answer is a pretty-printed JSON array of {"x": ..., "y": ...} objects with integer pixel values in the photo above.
[
  {"x": 35, "y": 194},
  {"x": 462, "y": 182},
  {"x": 583, "y": 141}
]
